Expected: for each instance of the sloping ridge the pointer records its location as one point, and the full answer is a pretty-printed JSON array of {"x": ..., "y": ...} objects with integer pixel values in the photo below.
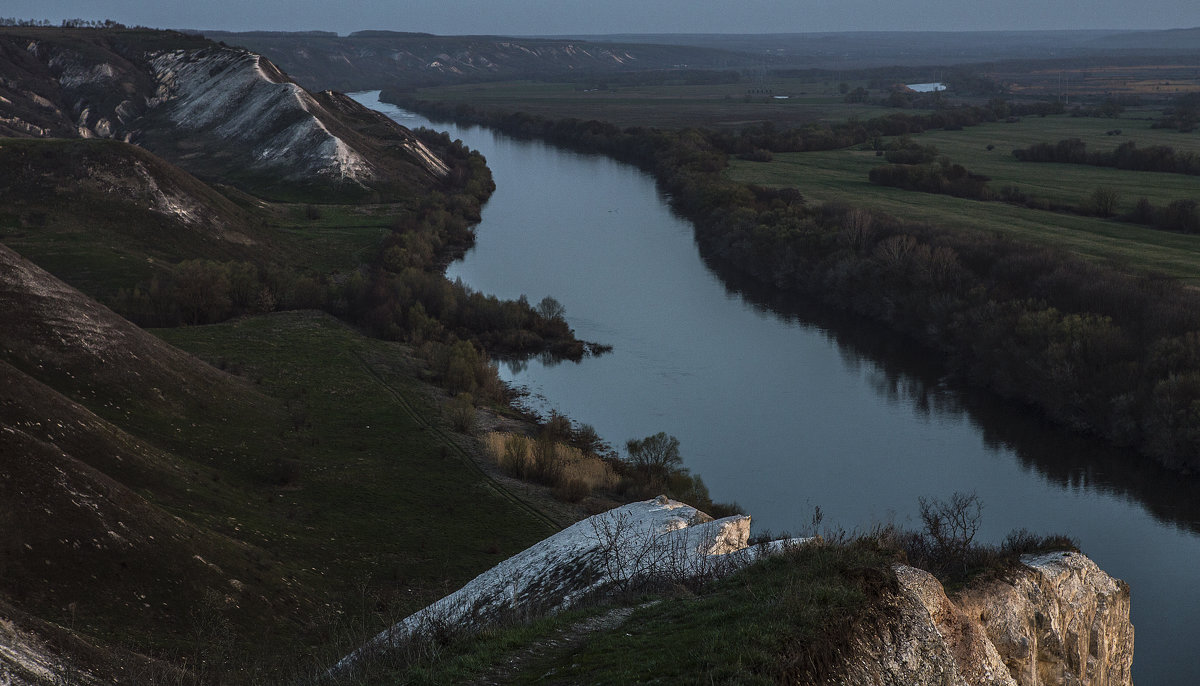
[
  {"x": 85, "y": 175},
  {"x": 367, "y": 60},
  {"x": 214, "y": 110},
  {"x": 239, "y": 96},
  {"x": 54, "y": 332},
  {"x": 1055, "y": 618},
  {"x": 85, "y": 553}
]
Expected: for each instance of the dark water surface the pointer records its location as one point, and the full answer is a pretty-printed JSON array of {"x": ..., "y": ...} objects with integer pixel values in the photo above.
[{"x": 783, "y": 406}]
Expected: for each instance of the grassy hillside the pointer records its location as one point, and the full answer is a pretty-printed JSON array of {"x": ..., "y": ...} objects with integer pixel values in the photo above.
[
  {"x": 206, "y": 506},
  {"x": 106, "y": 214}
]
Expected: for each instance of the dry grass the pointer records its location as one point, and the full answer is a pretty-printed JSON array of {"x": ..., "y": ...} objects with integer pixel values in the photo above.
[{"x": 573, "y": 473}]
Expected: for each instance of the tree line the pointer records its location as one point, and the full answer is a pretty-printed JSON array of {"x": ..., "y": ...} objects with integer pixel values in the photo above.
[
  {"x": 1092, "y": 346},
  {"x": 1154, "y": 158}
]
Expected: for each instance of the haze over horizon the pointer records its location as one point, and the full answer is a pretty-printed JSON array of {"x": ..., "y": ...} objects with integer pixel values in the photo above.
[{"x": 547, "y": 17}]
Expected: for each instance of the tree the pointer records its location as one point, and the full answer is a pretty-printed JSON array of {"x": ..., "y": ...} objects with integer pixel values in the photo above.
[
  {"x": 1104, "y": 201},
  {"x": 950, "y": 528},
  {"x": 202, "y": 290},
  {"x": 551, "y": 309},
  {"x": 659, "y": 452}
]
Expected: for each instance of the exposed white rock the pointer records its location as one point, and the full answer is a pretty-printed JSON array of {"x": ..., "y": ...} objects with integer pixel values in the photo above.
[
  {"x": 925, "y": 641},
  {"x": 658, "y": 538},
  {"x": 25, "y": 659},
  {"x": 1064, "y": 621},
  {"x": 231, "y": 94},
  {"x": 1057, "y": 621},
  {"x": 74, "y": 74}
]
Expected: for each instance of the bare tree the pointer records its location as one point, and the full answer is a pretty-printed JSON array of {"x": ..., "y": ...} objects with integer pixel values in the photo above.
[{"x": 659, "y": 452}]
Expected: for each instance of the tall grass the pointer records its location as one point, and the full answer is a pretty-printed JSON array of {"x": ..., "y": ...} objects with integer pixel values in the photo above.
[{"x": 572, "y": 473}]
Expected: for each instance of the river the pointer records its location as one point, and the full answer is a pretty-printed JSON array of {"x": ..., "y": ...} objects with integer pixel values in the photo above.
[{"x": 782, "y": 406}]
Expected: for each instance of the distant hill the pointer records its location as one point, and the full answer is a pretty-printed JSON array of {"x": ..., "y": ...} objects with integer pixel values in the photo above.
[
  {"x": 869, "y": 49},
  {"x": 377, "y": 59},
  {"x": 1170, "y": 40},
  {"x": 220, "y": 112}
]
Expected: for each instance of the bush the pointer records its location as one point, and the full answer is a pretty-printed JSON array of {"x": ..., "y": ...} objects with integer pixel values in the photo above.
[
  {"x": 946, "y": 545},
  {"x": 461, "y": 412},
  {"x": 1103, "y": 201},
  {"x": 572, "y": 473}
]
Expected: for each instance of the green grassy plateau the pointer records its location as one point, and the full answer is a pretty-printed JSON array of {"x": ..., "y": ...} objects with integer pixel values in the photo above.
[{"x": 841, "y": 176}]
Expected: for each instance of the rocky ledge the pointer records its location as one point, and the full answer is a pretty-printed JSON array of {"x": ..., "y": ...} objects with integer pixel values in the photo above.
[{"x": 1056, "y": 618}]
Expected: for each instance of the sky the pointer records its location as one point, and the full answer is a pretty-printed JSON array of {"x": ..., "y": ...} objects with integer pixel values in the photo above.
[{"x": 548, "y": 17}]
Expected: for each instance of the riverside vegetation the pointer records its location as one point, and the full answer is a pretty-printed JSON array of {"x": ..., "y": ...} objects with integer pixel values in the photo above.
[{"x": 1092, "y": 343}]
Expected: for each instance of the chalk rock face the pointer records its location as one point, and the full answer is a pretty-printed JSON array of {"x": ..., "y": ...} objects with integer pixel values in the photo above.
[
  {"x": 238, "y": 95},
  {"x": 25, "y": 660},
  {"x": 927, "y": 640},
  {"x": 1059, "y": 620},
  {"x": 658, "y": 538},
  {"x": 1063, "y": 621}
]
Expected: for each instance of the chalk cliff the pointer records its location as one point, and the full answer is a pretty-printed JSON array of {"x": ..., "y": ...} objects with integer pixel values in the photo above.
[
  {"x": 1056, "y": 619},
  {"x": 214, "y": 110}
]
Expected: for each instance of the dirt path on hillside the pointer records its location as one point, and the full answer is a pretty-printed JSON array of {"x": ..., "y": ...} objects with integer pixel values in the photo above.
[{"x": 546, "y": 655}]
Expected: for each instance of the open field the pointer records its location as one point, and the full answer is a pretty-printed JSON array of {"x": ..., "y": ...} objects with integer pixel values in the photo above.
[
  {"x": 841, "y": 176},
  {"x": 1151, "y": 81},
  {"x": 669, "y": 105}
]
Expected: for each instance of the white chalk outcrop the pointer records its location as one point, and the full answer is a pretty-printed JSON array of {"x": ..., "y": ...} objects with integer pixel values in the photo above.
[
  {"x": 1055, "y": 620},
  {"x": 25, "y": 660},
  {"x": 658, "y": 538},
  {"x": 1058, "y": 620},
  {"x": 1063, "y": 620},
  {"x": 238, "y": 96}
]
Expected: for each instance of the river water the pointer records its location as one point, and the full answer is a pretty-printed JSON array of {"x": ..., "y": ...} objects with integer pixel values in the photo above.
[{"x": 782, "y": 406}]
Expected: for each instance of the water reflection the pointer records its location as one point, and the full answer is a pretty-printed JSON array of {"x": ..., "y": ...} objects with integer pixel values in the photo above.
[
  {"x": 902, "y": 372},
  {"x": 781, "y": 405}
]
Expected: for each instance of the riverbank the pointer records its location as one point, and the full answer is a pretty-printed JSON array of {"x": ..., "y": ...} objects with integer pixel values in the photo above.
[
  {"x": 1096, "y": 349},
  {"x": 784, "y": 405}
]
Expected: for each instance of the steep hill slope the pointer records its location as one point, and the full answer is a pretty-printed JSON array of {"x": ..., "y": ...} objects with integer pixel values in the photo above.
[
  {"x": 217, "y": 111},
  {"x": 102, "y": 488},
  {"x": 105, "y": 215},
  {"x": 150, "y": 502}
]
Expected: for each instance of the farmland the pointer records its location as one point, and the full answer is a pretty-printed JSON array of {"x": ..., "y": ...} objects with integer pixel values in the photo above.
[{"x": 841, "y": 176}]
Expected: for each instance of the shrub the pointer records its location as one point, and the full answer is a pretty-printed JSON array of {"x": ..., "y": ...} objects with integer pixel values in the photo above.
[
  {"x": 461, "y": 412},
  {"x": 573, "y": 473}
]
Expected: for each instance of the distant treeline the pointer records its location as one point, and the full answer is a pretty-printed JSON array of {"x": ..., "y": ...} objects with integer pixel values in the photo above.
[
  {"x": 1093, "y": 347},
  {"x": 920, "y": 168},
  {"x": 652, "y": 77},
  {"x": 1154, "y": 158},
  {"x": 1182, "y": 115}
]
